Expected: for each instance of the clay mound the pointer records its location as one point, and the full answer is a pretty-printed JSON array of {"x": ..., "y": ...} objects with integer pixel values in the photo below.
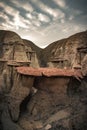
[
  {"x": 65, "y": 48},
  {"x": 9, "y": 37}
]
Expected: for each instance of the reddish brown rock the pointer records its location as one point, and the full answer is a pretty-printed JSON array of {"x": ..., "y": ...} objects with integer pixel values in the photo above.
[{"x": 29, "y": 71}]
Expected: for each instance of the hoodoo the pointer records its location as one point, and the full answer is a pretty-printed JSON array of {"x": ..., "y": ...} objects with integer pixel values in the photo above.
[{"x": 37, "y": 98}]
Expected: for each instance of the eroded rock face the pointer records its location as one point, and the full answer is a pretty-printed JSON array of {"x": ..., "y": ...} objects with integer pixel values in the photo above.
[
  {"x": 18, "y": 93},
  {"x": 48, "y": 107},
  {"x": 57, "y": 103},
  {"x": 84, "y": 65},
  {"x": 78, "y": 101},
  {"x": 64, "y": 53},
  {"x": 45, "y": 106},
  {"x": 51, "y": 96},
  {"x": 32, "y": 53},
  {"x": 56, "y": 91},
  {"x": 55, "y": 86},
  {"x": 12, "y": 54}
]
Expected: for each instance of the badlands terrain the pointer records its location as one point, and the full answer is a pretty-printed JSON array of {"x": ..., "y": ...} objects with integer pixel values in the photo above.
[{"x": 43, "y": 89}]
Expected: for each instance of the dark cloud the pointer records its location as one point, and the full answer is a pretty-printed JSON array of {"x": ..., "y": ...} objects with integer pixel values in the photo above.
[
  {"x": 2, "y": 20},
  {"x": 78, "y": 4},
  {"x": 1, "y": 9}
]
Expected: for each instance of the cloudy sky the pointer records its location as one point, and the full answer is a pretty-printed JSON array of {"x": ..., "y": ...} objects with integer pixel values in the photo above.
[{"x": 43, "y": 21}]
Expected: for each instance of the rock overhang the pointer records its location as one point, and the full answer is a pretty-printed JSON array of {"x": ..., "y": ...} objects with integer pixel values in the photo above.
[
  {"x": 3, "y": 60},
  {"x": 14, "y": 63},
  {"x": 29, "y": 71},
  {"x": 49, "y": 72}
]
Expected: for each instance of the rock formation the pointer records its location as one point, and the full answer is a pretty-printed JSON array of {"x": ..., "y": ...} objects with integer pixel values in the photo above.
[
  {"x": 35, "y": 49},
  {"x": 13, "y": 53},
  {"x": 51, "y": 96},
  {"x": 36, "y": 98},
  {"x": 66, "y": 52}
]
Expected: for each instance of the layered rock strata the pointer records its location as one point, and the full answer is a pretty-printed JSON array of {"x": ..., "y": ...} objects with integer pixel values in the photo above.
[
  {"x": 43, "y": 98},
  {"x": 50, "y": 98}
]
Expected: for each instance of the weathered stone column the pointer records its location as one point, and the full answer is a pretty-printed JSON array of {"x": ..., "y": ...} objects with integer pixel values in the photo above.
[{"x": 23, "y": 83}]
